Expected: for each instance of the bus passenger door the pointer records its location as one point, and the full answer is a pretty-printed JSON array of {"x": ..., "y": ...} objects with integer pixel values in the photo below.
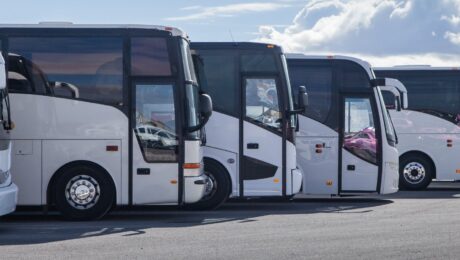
[
  {"x": 155, "y": 144},
  {"x": 360, "y": 146},
  {"x": 261, "y": 164}
]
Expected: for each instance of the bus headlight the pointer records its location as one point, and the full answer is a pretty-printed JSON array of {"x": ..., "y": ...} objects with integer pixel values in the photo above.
[{"x": 4, "y": 177}]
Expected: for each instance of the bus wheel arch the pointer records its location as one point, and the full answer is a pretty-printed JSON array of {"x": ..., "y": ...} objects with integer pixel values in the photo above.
[
  {"x": 97, "y": 175},
  {"x": 224, "y": 186},
  {"x": 421, "y": 162}
]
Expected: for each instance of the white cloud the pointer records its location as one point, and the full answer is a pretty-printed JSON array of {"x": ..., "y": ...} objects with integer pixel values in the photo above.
[
  {"x": 453, "y": 19},
  {"x": 453, "y": 37},
  {"x": 377, "y": 29},
  {"x": 227, "y": 10}
]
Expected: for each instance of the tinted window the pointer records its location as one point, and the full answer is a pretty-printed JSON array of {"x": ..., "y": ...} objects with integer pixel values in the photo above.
[
  {"x": 318, "y": 81},
  {"x": 351, "y": 75},
  {"x": 258, "y": 63},
  {"x": 434, "y": 92},
  {"x": 219, "y": 80},
  {"x": 89, "y": 68},
  {"x": 150, "y": 57}
]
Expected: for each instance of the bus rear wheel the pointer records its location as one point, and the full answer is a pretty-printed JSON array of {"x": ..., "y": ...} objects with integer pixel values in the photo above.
[
  {"x": 217, "y": 188},
  {"x": 415, "y": 172},
  {"x": 83, "y": 193}
]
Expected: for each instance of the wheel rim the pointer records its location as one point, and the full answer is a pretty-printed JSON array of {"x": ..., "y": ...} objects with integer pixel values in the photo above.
[
  {"x": 414, "y": 172},
  {"x": 211, "y": 186},
  {"x": 82, "y": 192}
]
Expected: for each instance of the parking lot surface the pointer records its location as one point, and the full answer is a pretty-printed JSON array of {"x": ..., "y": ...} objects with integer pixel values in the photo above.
[{"x": 406, "y": 225}]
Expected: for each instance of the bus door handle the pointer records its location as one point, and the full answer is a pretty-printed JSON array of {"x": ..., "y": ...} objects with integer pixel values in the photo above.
[
  {"x": 252, "y": 146},
  {"x": 143, "y": 171}
]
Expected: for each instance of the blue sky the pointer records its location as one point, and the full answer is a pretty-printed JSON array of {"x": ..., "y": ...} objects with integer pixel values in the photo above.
[
  {"x": 384, "y": 32},
  {"x": 216, "y": 25}
]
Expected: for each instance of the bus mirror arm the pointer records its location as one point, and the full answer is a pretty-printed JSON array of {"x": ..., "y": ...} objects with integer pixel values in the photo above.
[
  {"x": 205, "y": 112},
  {"x": 70, "y": 87}
]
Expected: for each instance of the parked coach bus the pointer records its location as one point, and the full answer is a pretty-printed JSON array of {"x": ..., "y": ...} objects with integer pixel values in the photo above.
[
  {"x": 429, "y": 131},
  {"x": 346, "y": 144},
  {"x": 8, "y": 190},
  {"x": 250, "y": 148},
  {"x": 83, "y": 97}
]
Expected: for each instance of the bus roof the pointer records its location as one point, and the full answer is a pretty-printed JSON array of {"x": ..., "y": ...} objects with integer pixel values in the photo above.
[
  {"x": 63, "y": 25},
  {"x": 366, "y": 65},
  {"x": 417, "y": 67},
  {"x": 236, "y": 45}
]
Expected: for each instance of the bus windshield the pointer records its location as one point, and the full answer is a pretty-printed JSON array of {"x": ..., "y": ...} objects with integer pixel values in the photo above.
[
  {"x": 389, "y": 128},
  {"x": 191, "y": 89}
]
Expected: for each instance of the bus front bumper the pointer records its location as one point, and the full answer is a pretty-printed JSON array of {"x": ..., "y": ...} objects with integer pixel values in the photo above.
[
  {"x": 296, "y": 180},
  {"x": 8, "y": 199},
  {"x": 194, "y": 188}
]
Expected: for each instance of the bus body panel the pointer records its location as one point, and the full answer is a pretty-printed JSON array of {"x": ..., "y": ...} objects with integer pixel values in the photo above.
[
  {"x": 338, "y": 156},
  {"x": 268, "y": 152},
  {"x": 8, "y": 189},
  {"x": 8, "y": 199},
  {"x": 363, "y": 178},
  {"x": 64, "y": 130},
  {"x": 294, "y": 179},
  {"x": 57, "y": 153},
  {"x": 429, "y": 135},
  {"x": 229, "y": 160},
  {"x": 389, "y": 182},
  {"x": 159, "y": 186},
  {"x": 225, "y": 149},
  {"x": 319, "y": 168},
  {"x": 248, "y": 82},
  {"x": 431, "y": 124}
]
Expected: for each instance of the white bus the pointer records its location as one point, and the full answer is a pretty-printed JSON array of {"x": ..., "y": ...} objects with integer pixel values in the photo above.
[
  {"x": 250, "y": 149},
  {"x": 79, "y": 93},
  {"x": 8, "y": 190},
  {"x": 346, "y": 144},
  {"x": 429, "y": 130}
]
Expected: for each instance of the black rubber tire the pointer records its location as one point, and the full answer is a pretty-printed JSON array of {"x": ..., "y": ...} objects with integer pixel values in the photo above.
[
  {"x": 222, "y": 193},
  {"x": 98, "y": 210},
  {"x": 429, "y": 172}
]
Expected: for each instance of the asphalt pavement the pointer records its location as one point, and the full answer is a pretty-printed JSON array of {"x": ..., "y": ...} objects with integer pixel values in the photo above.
[{"x": 406, "y": 225}]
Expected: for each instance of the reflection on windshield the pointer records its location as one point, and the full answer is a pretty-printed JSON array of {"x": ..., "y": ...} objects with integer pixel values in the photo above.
[
  {"x": 262, "y": 102},
  {"x": 359, "y": 132},
  {"x": 156, "y": 122}
]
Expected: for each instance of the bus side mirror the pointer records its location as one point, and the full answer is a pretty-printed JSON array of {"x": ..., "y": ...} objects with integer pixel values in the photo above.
[
  {"x": 64, "y": 85},
  {"x": 205, "y": 106},
  {"x": 303, "y": 98},
  {"x": 205, "y": 112},
  {"x": 405, "y": 101}
]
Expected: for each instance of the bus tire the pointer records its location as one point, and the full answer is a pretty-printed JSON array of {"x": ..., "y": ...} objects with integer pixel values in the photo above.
[
  {"x": 83, "y": 192},
  {"x": 221, "y": 187},
  {"x": 415, "y": 172}
]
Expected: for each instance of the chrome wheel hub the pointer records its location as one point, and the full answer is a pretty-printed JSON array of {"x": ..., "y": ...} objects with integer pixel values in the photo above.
[
  {"x": 211, "y": 186},
  {"x": 414, "y": 172},
  {"x": 82, "y": 192}
]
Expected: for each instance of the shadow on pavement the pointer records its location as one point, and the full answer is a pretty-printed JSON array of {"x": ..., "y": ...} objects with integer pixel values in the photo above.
[
  {"x": 32, "y": 227},
  {"x": 436, "y": 190}
]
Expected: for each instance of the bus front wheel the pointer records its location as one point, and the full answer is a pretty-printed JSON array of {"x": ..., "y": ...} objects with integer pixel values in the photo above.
[
  {"x": 83, "y": 193},
  {"x": 218, "y": 187},
  {"x": 415, "y": 172}
]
